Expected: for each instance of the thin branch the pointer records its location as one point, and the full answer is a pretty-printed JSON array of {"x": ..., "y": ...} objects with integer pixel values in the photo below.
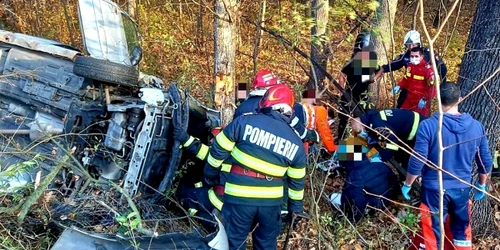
[
  {"x": 481, "y": 84},
  {"x": 431, "y": 41}
]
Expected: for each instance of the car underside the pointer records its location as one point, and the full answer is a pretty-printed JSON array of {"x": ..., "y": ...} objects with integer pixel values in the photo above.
[{"x": 102, "y": 134}]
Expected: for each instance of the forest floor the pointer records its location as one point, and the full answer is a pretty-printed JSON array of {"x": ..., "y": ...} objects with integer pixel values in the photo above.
[{"x": 178, "y": 46}]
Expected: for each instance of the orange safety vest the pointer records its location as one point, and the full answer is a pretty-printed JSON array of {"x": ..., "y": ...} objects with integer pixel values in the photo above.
[{"x": 316, "y": 117}]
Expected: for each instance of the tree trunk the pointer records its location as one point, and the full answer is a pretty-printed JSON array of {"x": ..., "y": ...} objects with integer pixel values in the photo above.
[
  {"x": 132, "y": 8},
  {"x": 258, "y": 34},
  {"x": 479, "y": 62},
  {"x": 382, "y": 27},
  {"x": 224, "y": 53},
  {"x": 318, "y": 45}
]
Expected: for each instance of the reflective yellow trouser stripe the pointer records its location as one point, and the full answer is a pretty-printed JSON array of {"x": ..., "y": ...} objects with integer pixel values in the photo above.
[
  {"x": 214, "y": 199},
  {"x": 295, "y": 195},
  {"x": 224, "y": 142},
  {"x": 382, "y": 115},
  {"x": 202, "y": 153},
  {"x": 296, "y": 173},
  {"x": 253, "y": 191},
  {"x": 414, "y": 127},
  {"x": 258, "y": 164}
]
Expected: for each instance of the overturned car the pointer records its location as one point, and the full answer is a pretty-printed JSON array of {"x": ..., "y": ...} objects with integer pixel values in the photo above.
[{"x": 114, "y": 122}]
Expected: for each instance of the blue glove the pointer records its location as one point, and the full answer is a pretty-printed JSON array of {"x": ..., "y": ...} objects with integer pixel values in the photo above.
[
  {"x": 406, "y": 191},
  {"x": 421, "y": 103},
  {"x": 375, "y": 159},
  {"x": 478, "y": 195},
  {"x": 395, "y": 90}
]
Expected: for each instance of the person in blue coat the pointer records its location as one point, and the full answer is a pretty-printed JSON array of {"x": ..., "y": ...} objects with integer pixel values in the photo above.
[
  {"x": 368, "y": 179},
  {"x": 465, "y": 141},
  {"x": 394, "y": 129}
]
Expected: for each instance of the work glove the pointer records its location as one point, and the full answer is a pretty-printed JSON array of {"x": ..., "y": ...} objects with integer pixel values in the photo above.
[
  {"x": 421, "y": 103},
  {"x": 395, "y": 89},
  {"x": 478, "y": 195},
  {"x": 181, "y": 136},
  {"x": 405, "y": 190},
  {"x": 375, "y": 159},
  {"x": 312, "y": 136},
  {"x": 211, "y": 181}
]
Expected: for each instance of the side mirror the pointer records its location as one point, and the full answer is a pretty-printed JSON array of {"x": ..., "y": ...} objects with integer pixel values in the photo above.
[{"x": 136, "y": 55}]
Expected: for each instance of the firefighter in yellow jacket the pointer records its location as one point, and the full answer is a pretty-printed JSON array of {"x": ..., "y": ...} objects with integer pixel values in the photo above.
[{"x": 263, "y": 149}]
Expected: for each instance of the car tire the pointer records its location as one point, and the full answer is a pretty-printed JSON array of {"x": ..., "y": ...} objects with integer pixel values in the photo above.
[{"x": 106, "y": 71}]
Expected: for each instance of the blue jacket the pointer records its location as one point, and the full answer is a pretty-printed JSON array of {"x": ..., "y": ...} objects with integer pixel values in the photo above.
[
  {"x": 362, "y": 175},
  {"x": 404, "y": 59},
  {"x": 250, "y": 105},
  {"x": 263, "y": 143},
  {"x": 467, "y": 141},
  {"x": 403, "y": 124},
  {"x": 375, "y": 178}
]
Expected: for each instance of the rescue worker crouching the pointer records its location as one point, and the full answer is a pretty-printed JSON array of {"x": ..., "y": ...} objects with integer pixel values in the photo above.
[
  {"x": 419, "y": 83},
  {"x": 368, "y": 179},
  {"x": 202, "y": 199},
  {"x": 317, "y": 119},
  {"x": 390, "y": 129},
  {"x": 263, "y": 149}
]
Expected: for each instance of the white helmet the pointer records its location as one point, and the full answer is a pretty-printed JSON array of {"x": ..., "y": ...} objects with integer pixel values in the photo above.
[{"x": 412, "y": 37}]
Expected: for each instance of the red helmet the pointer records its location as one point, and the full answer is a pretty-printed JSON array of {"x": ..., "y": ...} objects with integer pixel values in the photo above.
[
  {"x": 265, "y": 78},
  {"x": 279, "y": 97}
]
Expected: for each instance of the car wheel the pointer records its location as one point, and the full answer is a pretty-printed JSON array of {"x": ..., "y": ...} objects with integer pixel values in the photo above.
[{"x": 106, "y": 71}]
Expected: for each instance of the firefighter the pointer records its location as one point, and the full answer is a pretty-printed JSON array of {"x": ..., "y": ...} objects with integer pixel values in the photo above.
[
  {"x": 465, "y": 140},
  {"x": 368, "y": 179},
  {"x": 316, "y": 118},
  {"x": 263, "y": 149},
  {"x": 412, "y": 39},
  {"x": 391, "y": 129},
  {"x": 356, "y": 76},
  {"x": 201, "y": 199},
  {"x": 264, "y": 79},
  {"x": 419, "y": 83}
]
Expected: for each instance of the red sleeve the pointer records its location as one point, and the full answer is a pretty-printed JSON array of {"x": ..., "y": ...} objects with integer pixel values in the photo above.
[
  {"x": 324, "y": 129},
  {"x": 430, "y": 79}
]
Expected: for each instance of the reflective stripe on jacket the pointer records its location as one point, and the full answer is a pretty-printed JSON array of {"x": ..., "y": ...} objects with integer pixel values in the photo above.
[
  {"x": 263, "y": 143},
  {"x": 398, "y": 123}
]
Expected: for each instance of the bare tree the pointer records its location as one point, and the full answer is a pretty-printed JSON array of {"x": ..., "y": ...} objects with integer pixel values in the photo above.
[
  {"x": 479, "y": 79},
  {"x": 225, "y": 25},
  {"x": 382, "y": 26},
  {"x": 318, "y": 44}
]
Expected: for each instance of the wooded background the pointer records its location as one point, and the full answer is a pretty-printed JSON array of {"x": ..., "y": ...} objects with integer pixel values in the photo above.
[{"x": 178, "y": 38}]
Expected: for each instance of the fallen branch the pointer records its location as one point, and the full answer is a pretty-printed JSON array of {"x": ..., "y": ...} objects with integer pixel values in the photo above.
[{"x": 39, "y": 191}]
